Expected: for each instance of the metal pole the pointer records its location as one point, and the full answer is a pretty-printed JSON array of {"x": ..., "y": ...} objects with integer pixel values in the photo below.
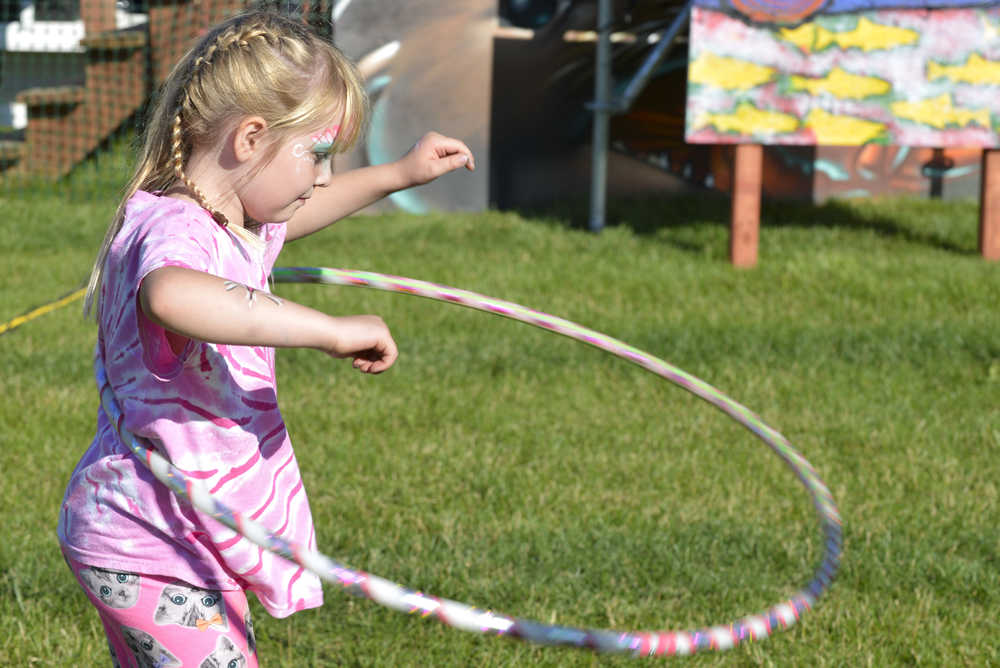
[
  {"x": 652, "y": 61},
  {"x": 602, "y": 116}
]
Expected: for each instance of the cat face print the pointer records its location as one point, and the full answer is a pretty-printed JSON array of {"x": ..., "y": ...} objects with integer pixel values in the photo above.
[
  {"x": 116, "y": 590},
  {"x": 147, "y": 650},
  {"x": 185, "y": 605},
  {"x": 225, "y": 656}
]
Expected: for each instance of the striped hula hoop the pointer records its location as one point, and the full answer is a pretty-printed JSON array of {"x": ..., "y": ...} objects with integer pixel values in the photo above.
[{"x": 459, "y": 615}]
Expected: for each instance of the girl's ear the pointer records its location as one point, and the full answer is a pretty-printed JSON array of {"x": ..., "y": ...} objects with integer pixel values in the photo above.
[{"x": 248, "y": 138}]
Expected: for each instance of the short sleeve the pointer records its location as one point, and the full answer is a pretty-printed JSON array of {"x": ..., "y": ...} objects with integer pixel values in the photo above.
[
  {"x": 181, "y": 241},
  {"x": 158, "y": 355}
]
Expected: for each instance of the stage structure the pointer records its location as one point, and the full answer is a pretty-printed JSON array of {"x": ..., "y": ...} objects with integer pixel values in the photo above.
[{"x": 565, "y": 101}]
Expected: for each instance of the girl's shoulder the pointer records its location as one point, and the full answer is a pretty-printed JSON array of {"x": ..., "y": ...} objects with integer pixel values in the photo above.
[
  {"x": 155, "y": 220},
  {"x": 157, "y": 231},
  {"x": 145, "y": 209},
  {"x": 180, "y": 231}
]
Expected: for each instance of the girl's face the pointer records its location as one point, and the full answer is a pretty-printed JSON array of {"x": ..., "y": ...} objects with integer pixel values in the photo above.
[{"x": 283, "y": 185}]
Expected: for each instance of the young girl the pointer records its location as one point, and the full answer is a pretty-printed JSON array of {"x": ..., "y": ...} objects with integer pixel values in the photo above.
[{"x": 236, "y": 161}]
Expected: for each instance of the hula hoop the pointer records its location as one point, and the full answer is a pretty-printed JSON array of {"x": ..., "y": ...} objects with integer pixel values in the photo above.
[{"x": 462, "y": 616}]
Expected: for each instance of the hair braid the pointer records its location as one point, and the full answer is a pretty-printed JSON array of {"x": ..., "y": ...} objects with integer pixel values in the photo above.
[
  {"x": 226, "y": 40},
  {"x": 177, "y": 153},
  {"x": 258, "y": 63}
]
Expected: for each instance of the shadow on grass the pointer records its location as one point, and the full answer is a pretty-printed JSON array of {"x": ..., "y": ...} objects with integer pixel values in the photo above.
[{"x": 892, "y": 218}]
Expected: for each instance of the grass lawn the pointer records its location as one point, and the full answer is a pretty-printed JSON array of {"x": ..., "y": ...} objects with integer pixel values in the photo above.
[{"x": 505, "y": 467}]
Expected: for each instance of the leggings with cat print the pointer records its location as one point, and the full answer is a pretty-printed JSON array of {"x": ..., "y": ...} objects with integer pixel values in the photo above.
[{"x": 158, "y": 622}]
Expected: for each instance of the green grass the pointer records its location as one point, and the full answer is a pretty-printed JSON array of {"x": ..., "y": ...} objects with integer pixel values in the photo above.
[{"x": 508, "y": 468}]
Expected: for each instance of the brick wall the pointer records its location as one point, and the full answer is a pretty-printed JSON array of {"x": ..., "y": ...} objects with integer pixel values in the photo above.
[
  {"x": 67, "y": 123},
  {"x": 174, "y": 25}
]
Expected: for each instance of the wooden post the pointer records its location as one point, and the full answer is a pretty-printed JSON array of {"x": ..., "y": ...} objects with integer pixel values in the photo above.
[
  {"x": 744, "y": 228},
  {"x": 989, "y": 205}
]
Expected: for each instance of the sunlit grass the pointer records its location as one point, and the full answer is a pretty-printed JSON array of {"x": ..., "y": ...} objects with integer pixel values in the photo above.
[{"x": 509, "y": 468}]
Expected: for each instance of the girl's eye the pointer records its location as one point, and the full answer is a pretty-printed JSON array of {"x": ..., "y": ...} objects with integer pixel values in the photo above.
[{"x": 320, "y": 156}]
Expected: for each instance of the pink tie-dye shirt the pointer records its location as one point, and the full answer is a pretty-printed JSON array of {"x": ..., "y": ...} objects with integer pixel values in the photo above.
[{"x": 212, "y": 410}]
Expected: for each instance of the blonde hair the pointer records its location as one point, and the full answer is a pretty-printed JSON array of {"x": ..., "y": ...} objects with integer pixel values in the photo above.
[{"x": 255, "y": 64}]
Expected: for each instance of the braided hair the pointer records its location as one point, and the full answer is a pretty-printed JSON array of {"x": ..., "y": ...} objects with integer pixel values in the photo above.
[
  {"x": 235, "y": 36},
  {"x": 257, "y": 63}
]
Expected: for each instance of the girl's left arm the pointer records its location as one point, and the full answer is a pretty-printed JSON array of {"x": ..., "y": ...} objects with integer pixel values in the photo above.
[{"x": 431, "y": 157}]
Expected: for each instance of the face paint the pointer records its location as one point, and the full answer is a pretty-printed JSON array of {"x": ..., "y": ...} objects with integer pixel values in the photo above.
[
  {"x": 321, "y": 144},
  {"x": 323, "y": 140},
  {"x": 303, "y": 162},
  {"x": 251, "y": 293}
]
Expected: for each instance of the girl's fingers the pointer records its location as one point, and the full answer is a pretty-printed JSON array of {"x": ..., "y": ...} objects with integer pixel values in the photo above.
[
  {"x": 375, "y": 360},
  {"x": 449, "y": 146}
]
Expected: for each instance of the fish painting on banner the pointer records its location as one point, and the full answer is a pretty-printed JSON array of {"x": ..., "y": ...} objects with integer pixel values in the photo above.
[{"x": 844, "y": 73}]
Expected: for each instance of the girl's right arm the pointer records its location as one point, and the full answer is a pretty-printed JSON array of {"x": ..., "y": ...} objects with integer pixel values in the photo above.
[
  {"x": 201, "y": 306},
  {"x": 433, "y": 156}
]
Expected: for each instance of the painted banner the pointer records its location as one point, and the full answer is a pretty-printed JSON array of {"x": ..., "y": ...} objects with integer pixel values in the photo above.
[{"x": 900, "y": 75}]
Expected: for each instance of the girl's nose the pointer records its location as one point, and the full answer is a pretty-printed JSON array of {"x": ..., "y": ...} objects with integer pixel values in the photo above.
[{"x": 324, "y": 171}]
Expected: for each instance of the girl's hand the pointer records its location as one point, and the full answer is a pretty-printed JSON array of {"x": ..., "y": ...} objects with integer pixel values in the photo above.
[
  {"x": 366, "y": 338},
  {"x": 433, "y": 156}
]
